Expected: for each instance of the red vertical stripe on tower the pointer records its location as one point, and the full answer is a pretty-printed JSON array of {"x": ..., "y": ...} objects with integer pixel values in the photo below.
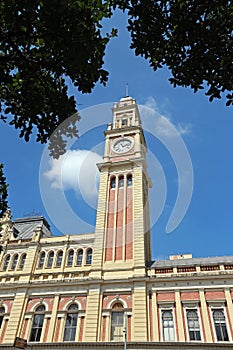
[
  {"x": 119, "y": 224},
  {"x": 129, "y": 225},
  {"x": 110, "y": 226}
]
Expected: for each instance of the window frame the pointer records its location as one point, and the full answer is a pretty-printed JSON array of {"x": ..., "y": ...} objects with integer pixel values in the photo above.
[
  {"x": 38, "y": 328},
  {"x": 220, "y": 308},
  {"x": 196, "y": 309},
  {"x": 50, "y": 261},
  {"x": 113, "y": 183},
  {"x": 71, "y": 328},
  {"x": 79, "y": 262},
  {"x": 124, "y": 121},
  {"x": 68, "y": 261},
  {"x": 22, "y": 260},
  {"x": 167, "y": 309},
  {"x": 59, "y": 253},
  {"x": 121, "y": 181},
  {"x": 40, "y": 264},
  {"x": 129, "y": 180},
  {"x": 87, "y": 262},
  {"x": 14, "y": 265},
  {"x": 4, "y": 266},
  {"x": 117, "y": 311}
]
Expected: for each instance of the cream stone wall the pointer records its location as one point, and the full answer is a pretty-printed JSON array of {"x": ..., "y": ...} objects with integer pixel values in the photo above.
[{"x": 166, "y": 290}]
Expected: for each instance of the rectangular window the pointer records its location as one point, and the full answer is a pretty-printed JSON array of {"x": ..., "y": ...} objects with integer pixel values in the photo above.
[
  {"x": 168, "y": 326},
  {"x": 117, "y": 320},
  {"x": 193, "y": 325},
  {"x": 220, "y": 325}
]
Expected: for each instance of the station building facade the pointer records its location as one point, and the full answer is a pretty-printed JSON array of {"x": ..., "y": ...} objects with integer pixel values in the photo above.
[{"x": 102, "y": 290}]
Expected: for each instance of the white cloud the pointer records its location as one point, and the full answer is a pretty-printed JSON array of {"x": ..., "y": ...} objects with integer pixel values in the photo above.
[
  {"x": 162, "y": 124},
  {"x": 75, "y": 170},
  {"x": 183, "y": 129}
]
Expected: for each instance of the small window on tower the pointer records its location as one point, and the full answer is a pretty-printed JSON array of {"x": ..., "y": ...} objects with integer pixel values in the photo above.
[
  {"x": 121, "y": 181},
  {"x": 129, "y": 180},
  {"x": 124, "y": 122},
  {"x": 113, "y": 182}
]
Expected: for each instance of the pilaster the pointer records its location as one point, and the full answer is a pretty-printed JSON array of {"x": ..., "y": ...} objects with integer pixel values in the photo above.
[
  {"x": 92, "y": 314},
  {"x": 155, "y": 323},
  {"x": 180, "y": 323},
  {"x": 16, "y": 316},
  {"x": 53, "y": 318},
  {"x": 139, "y": 331},
  {"x": 229, "y": 305},
  {"x": 138, "y": 221},
  {"x": 205, "y": 317},
  {"x": 98, "y": 249}
]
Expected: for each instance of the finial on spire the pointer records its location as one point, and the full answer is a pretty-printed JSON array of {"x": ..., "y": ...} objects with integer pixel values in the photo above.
[{"x": 127, "y": 90}]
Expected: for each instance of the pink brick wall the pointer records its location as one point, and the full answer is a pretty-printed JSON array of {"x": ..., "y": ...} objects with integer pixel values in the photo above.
[
  {"x": 189, "y": 296},
  {"x": 110, "y": 225},
  {"x": 215, "y": 295},
  {"x": 64, "y": 300},
  {"x": 166, "y": 296},
  {"x": 129, "y": 225},
  {"x": 119, "y": 224},
  {"x": 107, "y": 299}
]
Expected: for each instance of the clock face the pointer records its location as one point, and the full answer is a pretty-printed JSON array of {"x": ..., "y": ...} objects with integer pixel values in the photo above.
[{"x": 122, "y": 145}]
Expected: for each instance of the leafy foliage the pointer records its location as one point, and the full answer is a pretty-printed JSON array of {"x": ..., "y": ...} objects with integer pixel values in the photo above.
[
  {"x": 48, "y": 44},
  {"x": 194, "y": 38},
  {"x": 44, "y": 45},
  {"x": 3, "y": 193}
]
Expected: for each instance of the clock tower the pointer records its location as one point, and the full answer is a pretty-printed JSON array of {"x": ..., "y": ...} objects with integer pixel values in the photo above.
[{"x": 122, "y": 238}]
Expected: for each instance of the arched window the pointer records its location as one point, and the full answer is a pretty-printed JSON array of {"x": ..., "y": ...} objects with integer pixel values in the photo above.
[
  {"x": 220, "y": 325},
  {"x": 193, "y": 325},
  {"x": 113, "y": 182},
  {"x": 22, "y": 261},
  {"x": 2, "y": 313},
  {"x": 70, "y": 258},
  {"x": 121, "y": 181},
  {"x": 6, "y": 262},
  {"x": 89, "y": 256},
  {"x": 80, "y": 257},
  {"x": 129, "y": 180},
  {"x": 14, "y": 262},
  {"x": 168, "y": 326},
  {"x": 59, "y": 258},
  {"x": 71, "y": 323},
  {"x": 50, "y": 259},
  {"x": 41, "y": 260},
  {"x": 117, "y": 322},
  {"x": 37, "y": 323},
  {"x": 124, "y": 122}
]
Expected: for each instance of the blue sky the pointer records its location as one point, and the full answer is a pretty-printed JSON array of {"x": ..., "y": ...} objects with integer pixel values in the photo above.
[{"x": 206, "y": 128}]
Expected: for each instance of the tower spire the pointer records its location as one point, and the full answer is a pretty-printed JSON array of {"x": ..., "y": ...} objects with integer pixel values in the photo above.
[{"x": 127, "y": 90}]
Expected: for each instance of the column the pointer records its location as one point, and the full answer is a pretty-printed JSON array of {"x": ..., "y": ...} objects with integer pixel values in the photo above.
[
  {"x": 62, "y": 326},
  {"x": 230, "y": 307},
  {"x": 53, "y": 318},
  {"x": 205, "y": 317},
  {"x": 179, "y": 315},
  {"x": 105, "y": 326},
  {"x": 28, "y": 319},
  {"x": 92, "y": 314},
  {"x": 16, "y": 317},
  {"x": 45, "y": 333},
  {"x": 3, "y": 329},
  {"x": 155, "y": 321},
  {"x": 139, "y": 329},
  {"x": 98, "y": 249},
  {"x": 138, "y": 223}
]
